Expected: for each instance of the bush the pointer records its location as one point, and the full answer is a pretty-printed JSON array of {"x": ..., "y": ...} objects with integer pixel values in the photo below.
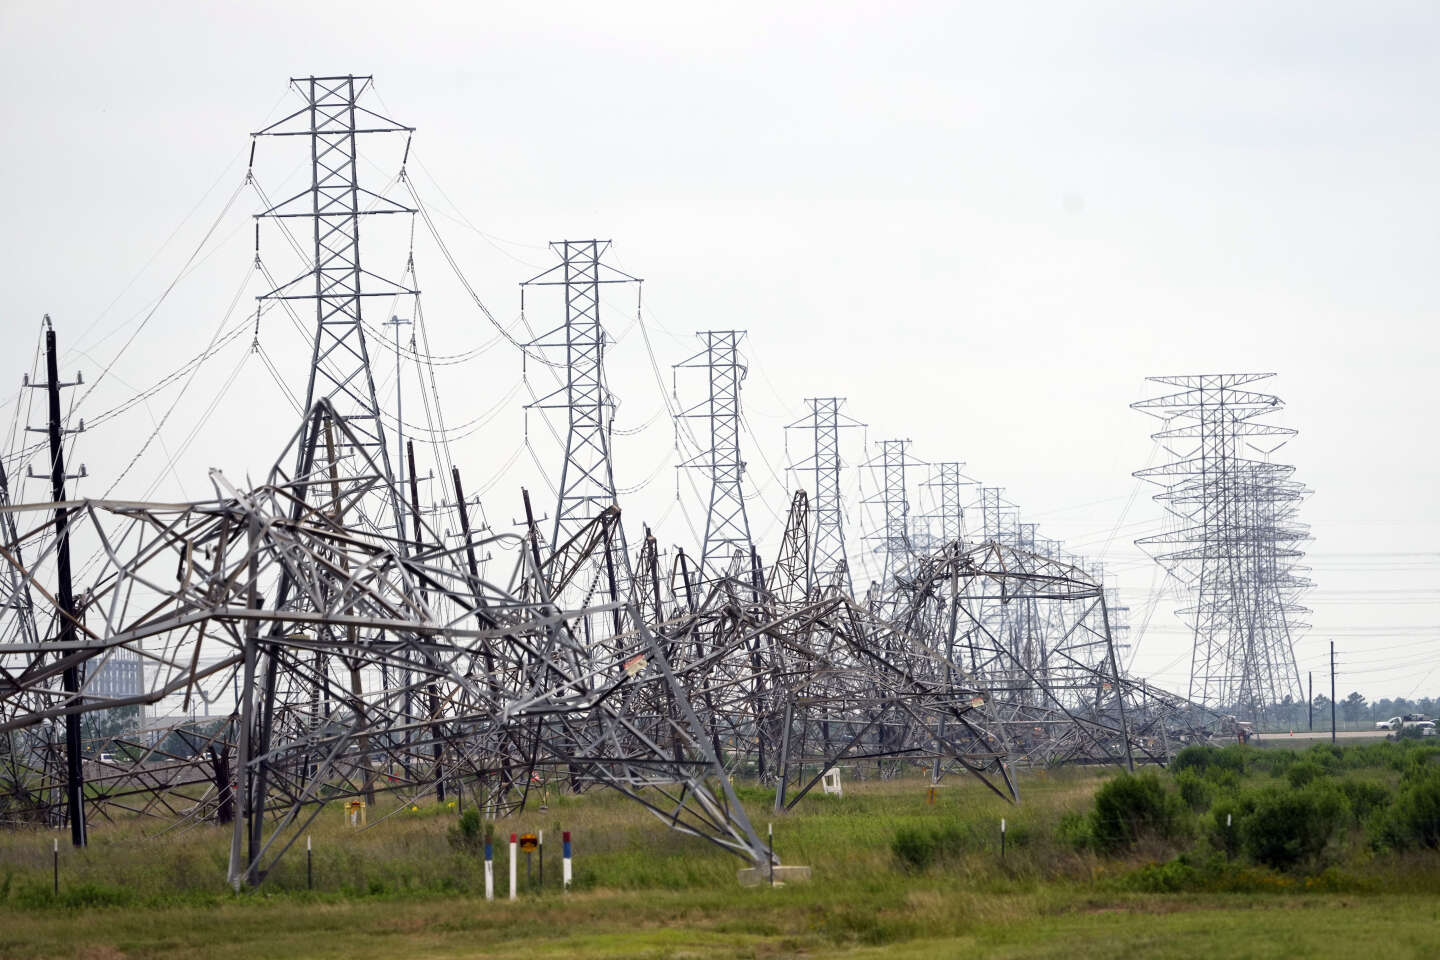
[
  {"x": 1135, "y": 806},
  {"x": 1222, "y": 766},
  {"x": 1073, "y": 830},
  {"x": 1289, "y": 828},
  {"x": 914, "y": 846},
  {"x": 1225, "y": 819},
  {"x": 1194, "y": 789},
  {"x": 918, "y": 847},
  {"x": 468, "y": 834},
  {"x": 1303, "y": 773},
  {"x": 1193, "y": 757},
  {"x": 1413, "y": 820},
  {"x": 1328, "y": 756},
  {"x": 1364, "y": 797}
]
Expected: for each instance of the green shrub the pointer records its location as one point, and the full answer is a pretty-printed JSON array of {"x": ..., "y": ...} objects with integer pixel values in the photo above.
[
  {"x": 914, "y": 846},
  {"x": 1413, "y": 820},
  {"x": 1289, "y": 828},
  {"x": 1194, "y": 789},
  {"x": 1074, "y": 830},
  {"x": 1132, "y": 807},
  {"x": 1226, "y": 816},
  {"x": 1303, "y": 773},
  {"x": 1364, "y": 797},
  {"x": 1194, "y": 757},
  {"x": 1277, "y": 762},
  {"x": 468, "y": 834},
  {"x": 1327, "y": 755},
  {"x": 918, "y": 847}
]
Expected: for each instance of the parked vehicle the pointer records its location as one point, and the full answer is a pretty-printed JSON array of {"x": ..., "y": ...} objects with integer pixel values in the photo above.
[{"x": 1406, "y": 722}]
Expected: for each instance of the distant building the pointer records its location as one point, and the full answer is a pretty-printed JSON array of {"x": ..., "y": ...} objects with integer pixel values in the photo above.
[{"x": 118, "y": 676}]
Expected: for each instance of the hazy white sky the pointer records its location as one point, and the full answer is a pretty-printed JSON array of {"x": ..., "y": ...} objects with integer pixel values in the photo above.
[{"x": 983, "y": 224}]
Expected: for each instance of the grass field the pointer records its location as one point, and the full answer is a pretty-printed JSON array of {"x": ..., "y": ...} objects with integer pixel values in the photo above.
[{"x": 893, "y": 876}]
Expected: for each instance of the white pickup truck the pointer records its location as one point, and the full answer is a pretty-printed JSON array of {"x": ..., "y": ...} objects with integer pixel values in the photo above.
[{"x": 1406, "y": 722}]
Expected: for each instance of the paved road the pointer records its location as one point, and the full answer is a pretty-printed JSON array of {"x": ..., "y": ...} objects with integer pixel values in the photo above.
[{"x": 1309, "y": 736}]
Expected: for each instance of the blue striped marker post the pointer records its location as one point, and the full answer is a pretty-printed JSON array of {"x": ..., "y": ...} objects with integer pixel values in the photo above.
[
  {"x": 489, "y": 868},
  {"x": 565, "y": 849},
  {"x": 512, "y": 866}
]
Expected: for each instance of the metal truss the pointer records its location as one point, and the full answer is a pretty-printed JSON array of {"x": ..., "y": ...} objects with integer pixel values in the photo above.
[
  {"x": 315, "y": 652},
  {"x": 827, "y": 558},
  {"x": 893, "y": 498},
  {"x": 332, "y": 120},
  {"x": 727, "y": 527},
  {"x": 587, "y": 477},
  {"x": 949, "y": 483},
  {"x": 1234, "y": 540}
]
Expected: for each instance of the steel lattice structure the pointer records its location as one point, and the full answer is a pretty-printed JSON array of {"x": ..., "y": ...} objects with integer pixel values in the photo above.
[
  {"x": 1234, "y": 541},
  {"x": 727, "y": 526},
  {"x": 587, "y": 477},
  {"x": 894, "y": 501},
  {"x": 345, "y": 657},
  {"x": 332, "y": 120},
  {"x": 827, "y": 554},
  {"x": 949, "y": 482}
]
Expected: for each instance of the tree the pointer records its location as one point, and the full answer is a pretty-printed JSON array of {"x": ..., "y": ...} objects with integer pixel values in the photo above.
[
  {"x": 99, "y": 727},
  {"x": 1353, "y": 707}
]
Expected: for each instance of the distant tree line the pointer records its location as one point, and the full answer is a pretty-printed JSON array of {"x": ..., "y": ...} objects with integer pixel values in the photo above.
[{"x": 1351, "y": 710}]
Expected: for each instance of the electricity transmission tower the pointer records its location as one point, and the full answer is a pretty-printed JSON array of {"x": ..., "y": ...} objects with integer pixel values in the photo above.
[
  {"x": 827, "y": 552},
  {"x": 1234, "y": 539},
  {"x": 948, "y": 481},
  {"x": 1000, "y": 518},
  {"x": 332, "y": 120},
  {"x": 727, "y": 528},
  {"x": 587, "y": 478},
  {"x": 894, "y": 533}
]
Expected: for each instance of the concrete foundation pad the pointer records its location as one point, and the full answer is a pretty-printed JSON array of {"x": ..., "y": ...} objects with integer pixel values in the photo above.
[{"x": 760, "y": 876}]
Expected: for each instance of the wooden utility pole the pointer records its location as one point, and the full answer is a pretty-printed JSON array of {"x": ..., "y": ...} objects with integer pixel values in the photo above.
[
  {"x": 64, "y": 590},
  {"x": 1332, "y": 691}
]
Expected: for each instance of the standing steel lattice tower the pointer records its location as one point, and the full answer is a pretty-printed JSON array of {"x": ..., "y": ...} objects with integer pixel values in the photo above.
[
  {"x": 587, "y": 479},
  {"x": 948, "y": 482},
  {"x": 1233, "y": 539},
  {"x": 727, "y": 528},
  {"x": 827, "y": 553},
  {"x": 332, "y": 120},
  {"x": 1000, "y": 518},
  {"x": 894, "y": 533}
]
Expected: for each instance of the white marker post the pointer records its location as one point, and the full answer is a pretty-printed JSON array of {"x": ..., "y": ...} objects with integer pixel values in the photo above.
[
  {"x": 565, "y": 867},
  {"x": 1002, "y": 838},
  {"x": 512, "y": 866},
  {"x": 489, "y": 868}
]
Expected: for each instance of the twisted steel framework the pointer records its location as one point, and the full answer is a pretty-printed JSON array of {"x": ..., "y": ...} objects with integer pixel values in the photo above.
[{"x": 343, "y": 658}]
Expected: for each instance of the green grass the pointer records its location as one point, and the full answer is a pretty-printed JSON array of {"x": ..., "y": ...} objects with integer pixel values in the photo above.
[{"x": 401, "y": 889}]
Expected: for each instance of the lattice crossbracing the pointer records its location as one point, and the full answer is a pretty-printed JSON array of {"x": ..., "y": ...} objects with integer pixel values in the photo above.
[{"x": 1235, "y": 539}]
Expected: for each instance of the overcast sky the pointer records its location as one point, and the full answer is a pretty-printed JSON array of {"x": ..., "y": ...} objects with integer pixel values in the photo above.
[{"x": 983, "y": 224}]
